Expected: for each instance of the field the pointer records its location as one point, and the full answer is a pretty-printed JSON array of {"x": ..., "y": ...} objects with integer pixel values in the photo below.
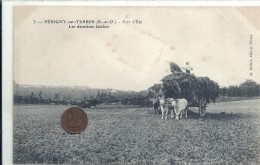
[{"x": 229, "y": 134}]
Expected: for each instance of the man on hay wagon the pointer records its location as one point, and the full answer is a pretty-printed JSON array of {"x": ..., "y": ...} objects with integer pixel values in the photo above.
[
  {"x": 188, "y": 68},
  {"x": 176, "y": 69}
]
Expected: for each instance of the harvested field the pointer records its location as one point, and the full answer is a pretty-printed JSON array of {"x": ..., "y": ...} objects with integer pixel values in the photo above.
[{"x": 229, "y": 134}]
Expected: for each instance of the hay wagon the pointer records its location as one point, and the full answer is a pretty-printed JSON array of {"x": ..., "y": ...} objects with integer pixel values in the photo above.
[
  {"x": 201, "y": 103},
  {"x": 198, "y": 91}
]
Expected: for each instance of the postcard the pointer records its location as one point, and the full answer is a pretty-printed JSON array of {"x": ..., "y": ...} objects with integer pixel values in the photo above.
[{"x": 136, "y": 84}]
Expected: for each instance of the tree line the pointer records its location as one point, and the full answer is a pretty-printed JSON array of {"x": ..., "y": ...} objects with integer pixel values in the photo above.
[
  {"x": 247, "y": 89},
  {"x": 28, "y": 94},
  {"x": 78, "y": 95}
]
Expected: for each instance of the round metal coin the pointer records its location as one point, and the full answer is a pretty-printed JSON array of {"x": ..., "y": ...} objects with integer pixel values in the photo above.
[{"x": 74, "y": 120}]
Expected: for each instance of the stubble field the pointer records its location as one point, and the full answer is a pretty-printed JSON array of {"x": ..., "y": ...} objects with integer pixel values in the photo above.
[{"x": 229, "y": 134}]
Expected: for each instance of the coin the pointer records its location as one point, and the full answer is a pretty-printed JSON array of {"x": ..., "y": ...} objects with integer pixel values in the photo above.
[{"x": 74, "y": 120}]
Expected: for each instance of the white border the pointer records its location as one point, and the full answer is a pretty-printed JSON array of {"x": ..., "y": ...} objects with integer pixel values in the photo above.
[
  {"x": 7, "y": 51},
  {"x": 134, "y": 3},
  {"x": 7, "y": 84}
]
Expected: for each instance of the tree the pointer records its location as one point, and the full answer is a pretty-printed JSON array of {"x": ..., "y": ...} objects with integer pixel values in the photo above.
[
  {"x": 234, "y": 91},
  {"x": 40, "y": 94},
  {"x": 249, "y": 88},
  {"x": 224, "y": 91},
  {"x": 154, "y": 90},
  {"x": 56, "y": 98}
]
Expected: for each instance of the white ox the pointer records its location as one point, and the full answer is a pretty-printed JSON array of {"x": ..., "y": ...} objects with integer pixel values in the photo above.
[
  {"x": 180, "y": 105},
  {"x": 165, "y": 105}
]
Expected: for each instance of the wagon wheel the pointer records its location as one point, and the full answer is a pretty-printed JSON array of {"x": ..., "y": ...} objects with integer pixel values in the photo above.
[{"x": 202, "y": 106}]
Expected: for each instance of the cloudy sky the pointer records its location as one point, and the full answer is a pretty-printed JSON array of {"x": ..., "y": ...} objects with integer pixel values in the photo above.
[{"x": 134, "y": 56}]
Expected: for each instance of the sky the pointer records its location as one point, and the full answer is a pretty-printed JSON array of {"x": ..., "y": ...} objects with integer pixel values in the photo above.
[{"x": 215, "y": 40}]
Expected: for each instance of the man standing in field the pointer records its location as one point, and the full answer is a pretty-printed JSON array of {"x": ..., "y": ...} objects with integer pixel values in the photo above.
[{"x": 188, "y": 68}]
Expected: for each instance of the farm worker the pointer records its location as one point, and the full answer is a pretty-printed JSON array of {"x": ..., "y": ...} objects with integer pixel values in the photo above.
[{"x": 188, "y": 68}]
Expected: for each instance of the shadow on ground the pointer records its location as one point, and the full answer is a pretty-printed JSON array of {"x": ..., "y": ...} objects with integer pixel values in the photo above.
[
  {"x": 217, "y": 116},
  {"x": 212, "y": 116}
]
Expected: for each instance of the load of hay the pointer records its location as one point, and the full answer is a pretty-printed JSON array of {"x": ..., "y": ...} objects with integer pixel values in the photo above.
[{"x": 184, "y": 85}]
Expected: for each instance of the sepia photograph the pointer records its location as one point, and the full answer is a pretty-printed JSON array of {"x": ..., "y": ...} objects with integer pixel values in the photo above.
[{"x": 136, "y": 85}]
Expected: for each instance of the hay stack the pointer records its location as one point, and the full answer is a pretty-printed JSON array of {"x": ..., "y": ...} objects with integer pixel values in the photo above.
[{"x": 174, "y": 67}]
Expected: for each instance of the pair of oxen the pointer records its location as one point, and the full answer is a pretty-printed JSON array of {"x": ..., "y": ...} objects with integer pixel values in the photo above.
[{"x": 177, "y": 106}]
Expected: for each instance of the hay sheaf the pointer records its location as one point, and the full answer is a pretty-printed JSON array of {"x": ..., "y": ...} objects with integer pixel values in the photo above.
[{"x": 180, "y": 84}]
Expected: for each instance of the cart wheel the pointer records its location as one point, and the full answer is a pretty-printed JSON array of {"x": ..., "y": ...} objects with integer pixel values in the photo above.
[{"x": 202, "y": 106}]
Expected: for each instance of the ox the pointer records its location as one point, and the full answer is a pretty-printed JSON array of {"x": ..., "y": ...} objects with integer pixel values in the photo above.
[
  {"x": 165, "y": 106},
  {"x": 180, "y": 105}
]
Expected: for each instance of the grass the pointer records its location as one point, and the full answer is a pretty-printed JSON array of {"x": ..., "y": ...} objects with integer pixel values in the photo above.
[
  {"x": 229, "y": 134},
  {"x": 228, "y": 98}
]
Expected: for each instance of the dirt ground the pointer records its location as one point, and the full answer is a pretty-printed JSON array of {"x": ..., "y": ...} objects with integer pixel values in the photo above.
[{"x": 229, "y": 134}]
